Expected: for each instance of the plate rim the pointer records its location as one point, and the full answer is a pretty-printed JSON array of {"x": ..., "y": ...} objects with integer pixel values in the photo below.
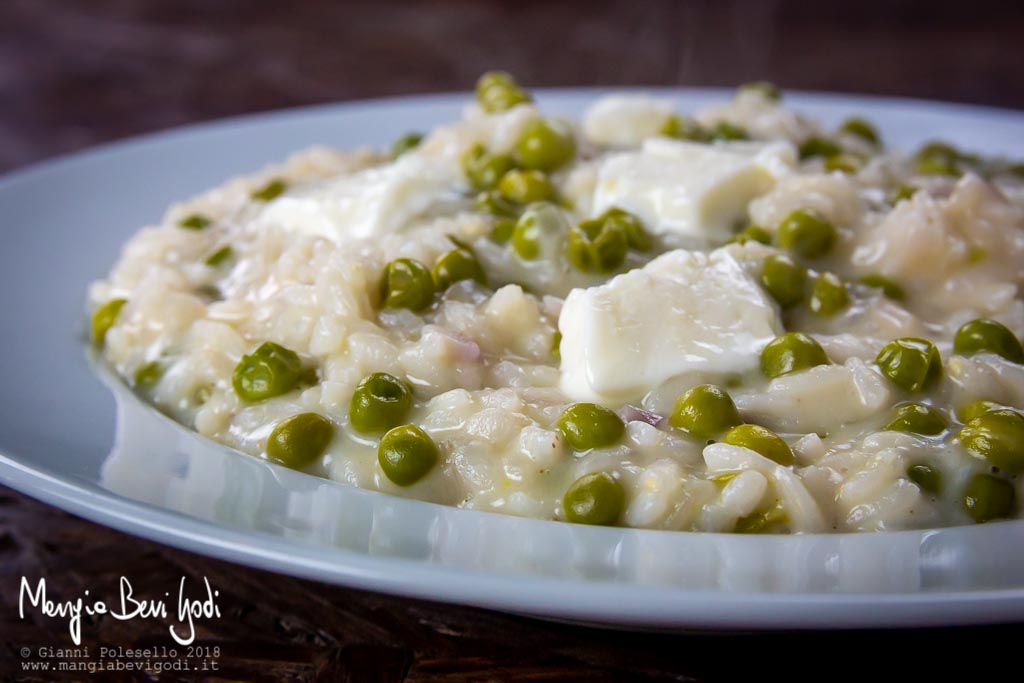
[
  {"x": 653, "y": 606},
  {"x": 175, "y": 529}
]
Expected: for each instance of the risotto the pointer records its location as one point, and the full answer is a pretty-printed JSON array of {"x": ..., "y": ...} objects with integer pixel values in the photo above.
[{"x": 731, "y": 320}]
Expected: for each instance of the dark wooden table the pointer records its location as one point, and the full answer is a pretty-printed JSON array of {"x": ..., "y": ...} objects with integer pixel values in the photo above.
[{"x": 74, "y": 74}]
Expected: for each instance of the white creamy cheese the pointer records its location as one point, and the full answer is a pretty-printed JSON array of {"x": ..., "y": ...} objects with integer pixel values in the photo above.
[
  {"x": 684, "y": 311},
  {"x": 625, "y": 120},
  {"x": 374, "y": 201},
  {"x": 690, "y": 188},
  {"x": 821, "y": 398}
]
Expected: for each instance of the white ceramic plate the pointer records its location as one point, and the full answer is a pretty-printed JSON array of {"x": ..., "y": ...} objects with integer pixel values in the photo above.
[{"x": 67, "y": 439}]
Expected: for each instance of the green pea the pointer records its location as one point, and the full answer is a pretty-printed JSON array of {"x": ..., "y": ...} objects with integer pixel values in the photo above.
[
  {"x": 760, "y": 440},
  {"x": 889, "y": 288},
  {"x": 764, "y": 521},
  {"x": 596, "y": 498},
  {"x": 537, "y": 231},
  {"x": 807, "y": 233},
  {"x": 791, "y": 352},
  {"x": 976, "y": 409},
  {"x": 526, "y": 187},
  {"x": 455, "y": 266},
  {"x": 380, "y": 402},
  {"x": 497, "y": 91},
  {"x": 220, "y": 256},
  {"x": 272, "y": 190},
  {"x": 104, "y": 317},
  {"x": 937, "y": 166},
  {"x": 483, "y": 169},
  {"x": 309, "y": 377},
  {"x": 546, "y": 145},
  {"x": 998, "y": 437},
  {"x": 751, "y": 233},
  {"x": 406, "y": 454},
  {"x": 556, "y": 345},
  {"x": 271, "y": 370},
  {"x": 632, "y": 226},
  {"x": 818, "y": 147},
  {"x": 901, "y": 193},
  {"x": 927, "y": 477},
  {"x": 862, "y": 128},
  {"x": 765, "y": 89},
  {"x": 407, "y": 142},
  {"x": 597, "y": 246},
  {"x": 912, "y": 364},
  {"x": 196, "y": 221},
  {"x": 587, "y": 425},
  {"x": 149, "y": 374},
  {"x": 407, "y": 283},
  {"x": 502, "y": 230},
  {"x": 685, "y": 129},
  {"x": 723, "y": 130},
  {"x": 938, "y": 149},
  {"x": 491, "y": 202},
  {"x": 917, "y": 418},
  {"x": 987, "y": 497},
  {"x": 988, "y": 336},
  {"x": 300, "y": 439},
  {"x": 938, "y": 158},
  {"x": 784, "y": 279},
  {"x": 705, "y": 411},
  {"x": 828, "y": 295},
  {"x": 844, "y": 163}
]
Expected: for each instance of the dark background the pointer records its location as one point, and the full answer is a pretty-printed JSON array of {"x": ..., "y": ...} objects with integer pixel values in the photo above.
[{"x": 74, "y": 74}]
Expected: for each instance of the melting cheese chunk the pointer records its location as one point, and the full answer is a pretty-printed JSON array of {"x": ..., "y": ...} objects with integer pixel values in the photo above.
[
  {"x": 818, "y": 399},
  {"x": 374, "y": 201},
  {"x": 625, "y": 120},
  {"x": 684, "y": 311},
  {"x": 689, "y": 188}
]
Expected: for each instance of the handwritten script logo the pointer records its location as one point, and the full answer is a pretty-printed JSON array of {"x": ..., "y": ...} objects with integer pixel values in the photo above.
[{"x": 128, "y": 607}]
